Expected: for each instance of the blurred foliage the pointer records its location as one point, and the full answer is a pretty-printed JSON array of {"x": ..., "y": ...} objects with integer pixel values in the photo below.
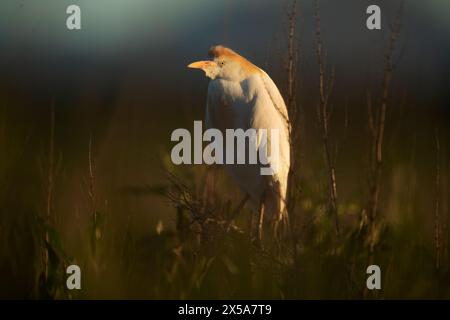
[
  {"x": 204, "y": 258},
  {"x": 195, "y": 252},
  {"x": 51, "y": 282}
]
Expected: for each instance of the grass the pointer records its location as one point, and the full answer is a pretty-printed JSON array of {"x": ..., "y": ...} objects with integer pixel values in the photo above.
[{"x": 194, "y": 254}]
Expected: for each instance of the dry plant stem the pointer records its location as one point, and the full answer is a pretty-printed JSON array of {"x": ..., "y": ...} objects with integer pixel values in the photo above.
[
  {"x": 444, "y": 202},
  {"x": 91, "y": 190},
  {"x": 292, "y": 64},
  {"x": 183, "y": 198},
  {"x": 92, "y": 181},
  {"x": 291, "y": 98},
  {"x": 324, "y": 115},
  {"x": 437, "y": 226},
  {"x": 377, "y": 127},
  {"x": 260, "y": 222},
  {"x": 50, "y": 184},
  {"x": 293, "y": 111}
]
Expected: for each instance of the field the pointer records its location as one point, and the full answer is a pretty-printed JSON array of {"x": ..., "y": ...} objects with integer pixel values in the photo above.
[{"x": 86, "y": 178}]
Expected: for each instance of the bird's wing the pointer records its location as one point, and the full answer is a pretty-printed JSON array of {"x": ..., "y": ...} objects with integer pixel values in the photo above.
[
  {"x": 275, "y": 96},
  {"x": 269, "y": 109},
  {"x": 269, "y": 112}
]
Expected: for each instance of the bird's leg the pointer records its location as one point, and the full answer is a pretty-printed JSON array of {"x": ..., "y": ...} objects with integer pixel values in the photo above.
[
  {"x": 259, "y": 225},
  {"x": 261, "y": 219},
  {"x": 209, "y": 186}
]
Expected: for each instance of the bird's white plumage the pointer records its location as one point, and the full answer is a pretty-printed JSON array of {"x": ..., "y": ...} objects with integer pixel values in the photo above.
[{"x": 242, "y": 96}]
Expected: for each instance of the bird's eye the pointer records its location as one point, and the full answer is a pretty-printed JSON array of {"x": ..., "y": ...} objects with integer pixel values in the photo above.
[{"x": 221, "y": 63}]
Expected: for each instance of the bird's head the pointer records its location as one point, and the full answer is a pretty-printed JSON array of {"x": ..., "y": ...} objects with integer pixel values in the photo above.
[{"x": 225, "y": 64}]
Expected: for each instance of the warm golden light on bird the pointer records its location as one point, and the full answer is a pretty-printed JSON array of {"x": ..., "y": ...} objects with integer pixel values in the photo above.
[{"x": 242, "y": 96}]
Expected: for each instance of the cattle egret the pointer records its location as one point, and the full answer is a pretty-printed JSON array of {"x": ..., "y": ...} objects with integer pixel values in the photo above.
[{"x": 242, "y": 96}]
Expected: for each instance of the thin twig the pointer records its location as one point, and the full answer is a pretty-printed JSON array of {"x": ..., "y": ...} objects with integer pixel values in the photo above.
[
  {"x": 50, "y": 188},
  {"x": 437, "y": 225},
  {"x": 324, "y": 114},
  {"x": 379, "y": 122},
  {"x": 294, "y": 111},
  {"x": 96, "y": 231}
]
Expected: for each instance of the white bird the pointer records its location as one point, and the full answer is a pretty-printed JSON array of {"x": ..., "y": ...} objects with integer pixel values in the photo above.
[{"x": 242, "y": 96}]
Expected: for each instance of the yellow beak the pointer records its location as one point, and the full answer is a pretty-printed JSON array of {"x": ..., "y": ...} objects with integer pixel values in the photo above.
[{"x": 201, "y": 64}]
